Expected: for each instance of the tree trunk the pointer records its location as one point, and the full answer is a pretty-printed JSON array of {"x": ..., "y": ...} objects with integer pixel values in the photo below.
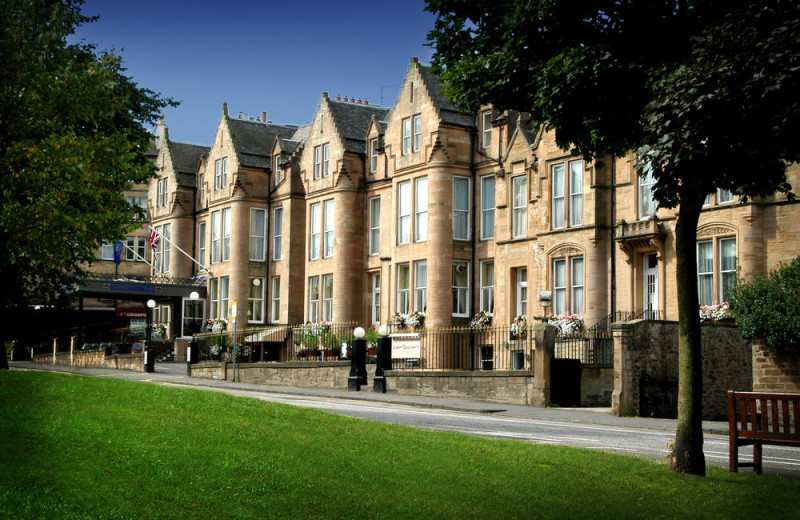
[
  {"x": 687, "y": 455},
  {"x": 4, "y": 359}
]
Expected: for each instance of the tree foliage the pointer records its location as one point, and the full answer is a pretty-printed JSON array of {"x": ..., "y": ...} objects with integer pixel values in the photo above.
[
  {"x": 73, "y": 134},
  {"x": 704, "y": 91},
  {"x": 768, "y": 309}
]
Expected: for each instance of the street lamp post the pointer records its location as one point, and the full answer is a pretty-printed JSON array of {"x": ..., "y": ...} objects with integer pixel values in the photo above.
[
  {"x": 149, "y": 358},
  {"x": 192, "y": 351}
]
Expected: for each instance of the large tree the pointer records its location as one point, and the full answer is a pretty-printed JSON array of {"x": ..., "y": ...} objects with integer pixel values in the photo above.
[
  {"x": 705, "y": 92},
  {"x": 73, "y": 137}
]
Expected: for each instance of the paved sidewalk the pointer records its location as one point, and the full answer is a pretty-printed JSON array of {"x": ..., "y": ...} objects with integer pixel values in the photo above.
[{"x": 175, "y": 373}]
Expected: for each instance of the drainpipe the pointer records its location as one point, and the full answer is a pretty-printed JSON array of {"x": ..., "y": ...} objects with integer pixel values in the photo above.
[
  {"x": 475, "y": 268},
  {"x": 613, "y": 249}
]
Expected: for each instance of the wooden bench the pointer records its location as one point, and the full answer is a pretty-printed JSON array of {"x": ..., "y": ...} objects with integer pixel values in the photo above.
[{"x": 758, "y": 418}]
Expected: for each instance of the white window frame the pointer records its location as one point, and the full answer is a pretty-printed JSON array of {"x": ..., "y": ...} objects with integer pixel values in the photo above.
[
  {"x": 317, "y": 162},
  {"x": 130, "y": 249},
  {"x": 731, "y": 270},
  {"x": 258, "y": 237},
  {"x": 373, "y": 155},
  {"x": 216, "y": 236},
  {"x": 487, "y": 286},
  {"x": 404, "y": 212},
  {"x": 486, "y": 129},
  {"x": 522, "y": 291},
  {"x": 646, "y": 185},
  {"x": 417, "y": 137},
  {"x": 107, "y": 250},
  {"x": 277, "y": 171},
  {"x": 375, "y": 304},
  {"x": 315, "y": 223},
  {"x": 575, "y": 193},
  {"x": 327, "y": 297},
  {"x": 559, "y": 286},
  {"x": 165, "y": 245},
  {"x": 374, "y": 225},
  {"x": 406, "y": 142},
  {"x": 724, "y": 196},
  {"x": 460, "y": 292},
  {"x": 201, "y": 243},
  {"x": 213, "y": 297},
  {"x": 224, "y": 296},
  {"x": 275, "y": 309},
  {"x": 421, "y": 285},
  {"x": 718, "y": 273},
  {"x": 487, "y": 206},
  {"x": 519, "y": 206},
  {"x": 327, "y": 223},
  {"x": 558, "y": 203},
  {"x": 403, "y": 304},
  {"x": 226, "y": 235},
  {"x": 326, "y": 159},
  {"x": 218, "y": 174},
  {"x": 420, "y": 209},
  {"x": 255, "y": 301},
  {"x": 461, "y": 213},
  {"x": 313, "y": 299},
  {"x": 277, "y": 233},
  {"x": 576, "y": 284}
]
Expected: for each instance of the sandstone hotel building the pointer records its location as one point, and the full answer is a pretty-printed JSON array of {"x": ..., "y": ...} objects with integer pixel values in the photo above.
[{"x": 371, "y": 211}]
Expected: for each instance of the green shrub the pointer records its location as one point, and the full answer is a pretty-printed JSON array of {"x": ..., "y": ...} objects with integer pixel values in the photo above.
[{"x": 769, "y": 308}]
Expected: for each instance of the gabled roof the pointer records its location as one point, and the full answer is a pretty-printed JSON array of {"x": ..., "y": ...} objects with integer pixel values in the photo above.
[
  {"x": 253, "y": 140},
  {"x": 185, "y": 160},
  {"x": 448, "y": 113},
  {"x": 353, "y": 120}
]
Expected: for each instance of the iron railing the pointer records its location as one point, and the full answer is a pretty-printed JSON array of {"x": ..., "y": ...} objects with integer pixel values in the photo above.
[{"x": 464, "y": 348}]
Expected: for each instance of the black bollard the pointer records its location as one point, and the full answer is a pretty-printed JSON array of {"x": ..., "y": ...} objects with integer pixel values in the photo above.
[
  {"x": 384, "y": 363},
  {"x": 358, "y": 365}
]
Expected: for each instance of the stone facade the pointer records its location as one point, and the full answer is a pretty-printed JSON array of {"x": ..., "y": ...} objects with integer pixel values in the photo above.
[
  {"x": 652, "y": 346},
  {"x": 371, "y": 211},
  {"x": 775, "y": 370}
]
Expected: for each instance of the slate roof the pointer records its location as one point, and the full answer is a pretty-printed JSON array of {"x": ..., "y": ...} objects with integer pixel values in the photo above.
[
  {"x": 448, "y": 113},
  {"x": 185, "y": 160},
  {"x": 353, "y": 120},
  {"x": 253, "y": 140}
]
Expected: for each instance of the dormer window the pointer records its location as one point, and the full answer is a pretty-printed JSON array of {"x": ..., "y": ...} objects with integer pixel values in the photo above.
[
  {"x": 373, "y": 155},
  {"x": 277, "y": 170}
]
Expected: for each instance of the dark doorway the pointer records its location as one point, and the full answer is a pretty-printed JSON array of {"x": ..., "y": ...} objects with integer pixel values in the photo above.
[{"x": 565, "y": 382}]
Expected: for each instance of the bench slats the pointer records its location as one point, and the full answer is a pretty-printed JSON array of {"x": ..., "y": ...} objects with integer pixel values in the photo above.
[{"x": 763, "y": 418}]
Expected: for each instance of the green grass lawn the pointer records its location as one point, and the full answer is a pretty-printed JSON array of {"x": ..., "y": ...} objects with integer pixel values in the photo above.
[{"x": 88, "y": 447}]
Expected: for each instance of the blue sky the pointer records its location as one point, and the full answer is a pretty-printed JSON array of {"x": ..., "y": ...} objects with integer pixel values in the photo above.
[{"x": 274, "y": 57}]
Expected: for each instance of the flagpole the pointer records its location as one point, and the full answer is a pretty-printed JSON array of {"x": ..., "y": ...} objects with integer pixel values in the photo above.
[
  {"x": 181, "y": 250},
  {"x": 138, "y": 255}
]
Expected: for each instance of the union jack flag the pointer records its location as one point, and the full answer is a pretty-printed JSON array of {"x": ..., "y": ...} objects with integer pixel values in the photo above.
[{"x": 154, "y": 238}]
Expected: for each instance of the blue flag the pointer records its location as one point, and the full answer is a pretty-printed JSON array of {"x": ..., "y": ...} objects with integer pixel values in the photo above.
[{"x": 118, "y": 247}]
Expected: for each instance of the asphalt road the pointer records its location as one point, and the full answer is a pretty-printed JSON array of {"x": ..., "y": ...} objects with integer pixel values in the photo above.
[{"x": 584, "y": 428}]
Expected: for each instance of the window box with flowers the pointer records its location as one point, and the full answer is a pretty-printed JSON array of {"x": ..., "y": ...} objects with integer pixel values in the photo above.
[
  {"x": 482, "y": 319},
  {"x": 568, "y": 325},
  {"x": 717, "y": 312},
  {"x": 159, "y": 330},
  {"x": 519, "y": 327},
  {"x": 413, "y": 320}
]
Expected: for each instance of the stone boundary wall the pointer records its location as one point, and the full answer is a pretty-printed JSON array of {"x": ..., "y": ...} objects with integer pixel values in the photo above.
[
  {"x": 302, "y": 374},
  {"x": 597, "y": 386},
  {"x": 513, "y": 387},
  {"x": 94, "y": 359},
  {"x": 775, "y": 370},
  {"x": 652, "y": 346}
]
